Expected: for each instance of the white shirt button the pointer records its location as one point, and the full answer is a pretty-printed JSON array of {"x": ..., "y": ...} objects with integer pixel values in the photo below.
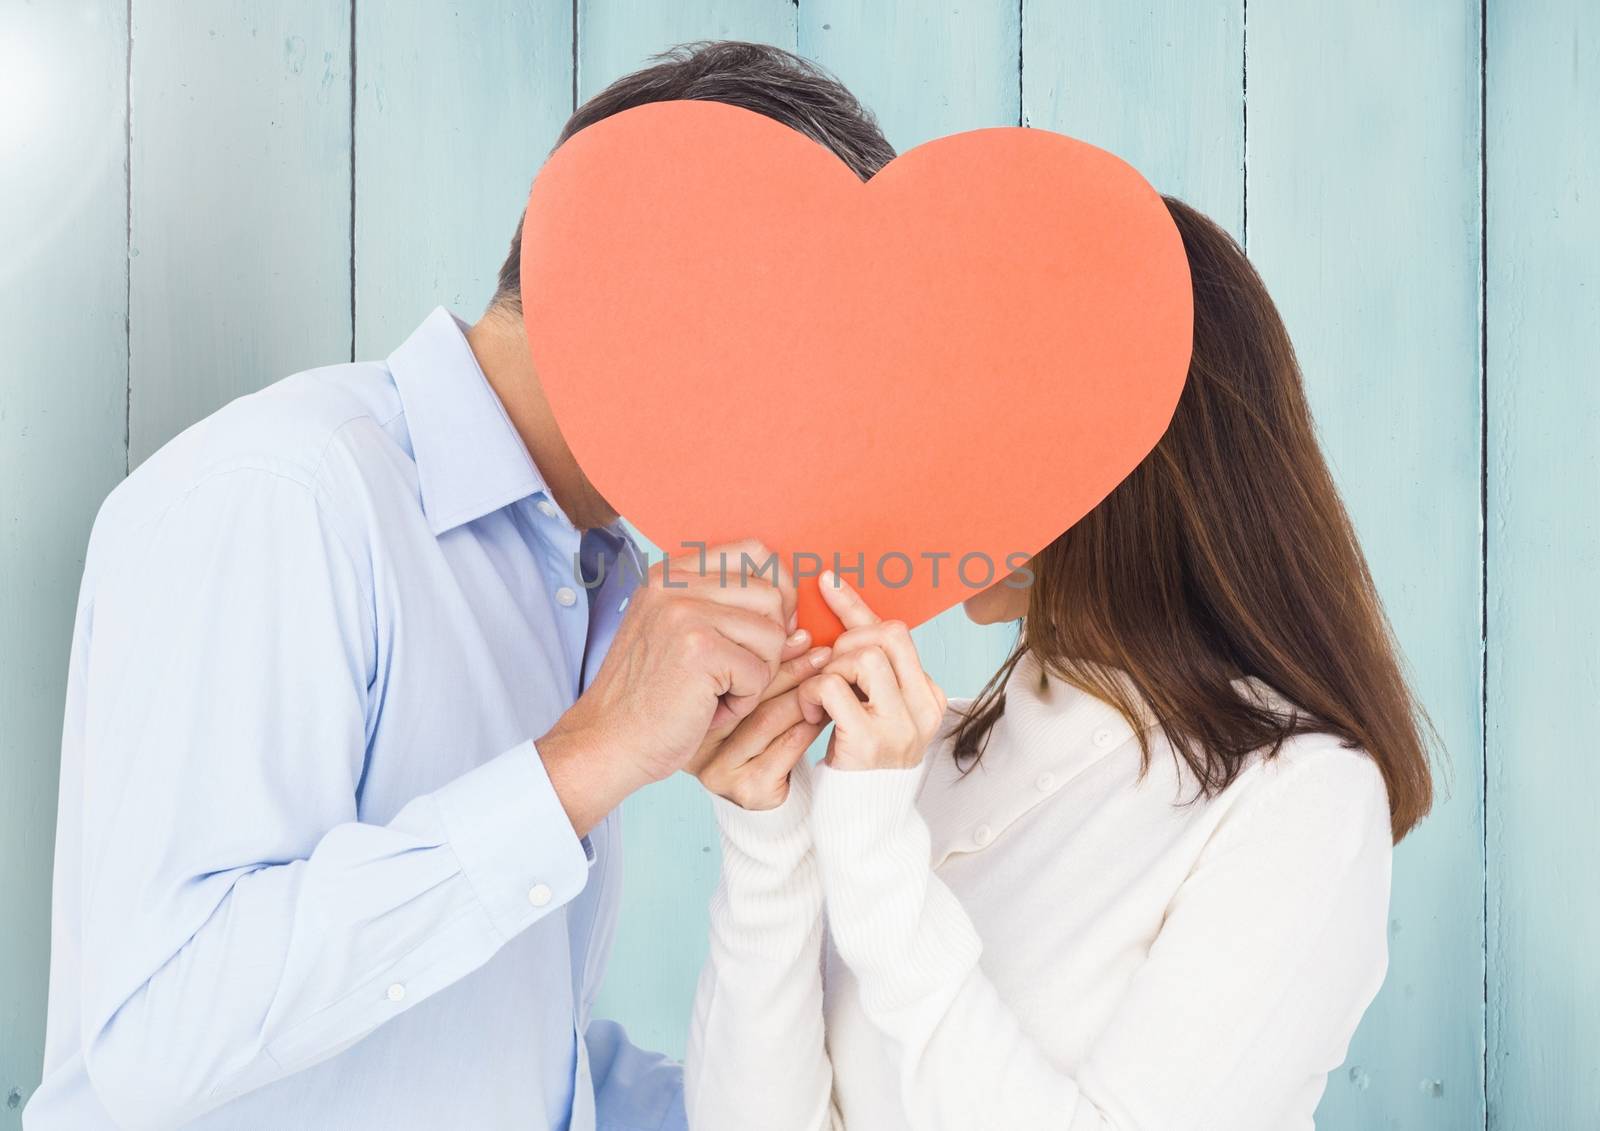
[
  {"x": 566, "y": 598},
  {"x": 540, "y": 895},
  {"x": 982, "y": 835},
  {"x": 547, "y": 508},
  {"x": 1103, "y": 737},
  {"x": 396, "y": 992},
  {"x": 1045, "y": 782},
  {"x": 623, "y": 607}
]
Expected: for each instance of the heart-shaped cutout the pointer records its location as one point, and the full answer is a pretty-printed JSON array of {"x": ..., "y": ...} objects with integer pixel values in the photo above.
[{"x": 931, "y": 375}]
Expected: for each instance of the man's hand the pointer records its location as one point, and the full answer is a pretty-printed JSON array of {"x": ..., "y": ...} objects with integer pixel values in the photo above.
[{"x": 695, "y": 654}]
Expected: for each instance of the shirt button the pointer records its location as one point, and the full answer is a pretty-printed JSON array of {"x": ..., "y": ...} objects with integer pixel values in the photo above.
[
  {"x": 1046, "y": 782},
  {"x": 1103, "y": 737},
  {"x": 540, "y": 895},
  {"x": 396, "y": 992},
  {"x": 547, "y": 508},
  {"x": 566, "y": 598},
  {"x": 623, "y": 607},
  {"x": 982, "y": 835}
]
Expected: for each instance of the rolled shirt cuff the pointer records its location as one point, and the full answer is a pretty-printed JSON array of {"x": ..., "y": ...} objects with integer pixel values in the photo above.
[{"x": 513, "y": 839}]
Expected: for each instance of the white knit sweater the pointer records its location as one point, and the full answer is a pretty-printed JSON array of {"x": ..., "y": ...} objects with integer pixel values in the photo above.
[{"x": 1049, "y": 941}]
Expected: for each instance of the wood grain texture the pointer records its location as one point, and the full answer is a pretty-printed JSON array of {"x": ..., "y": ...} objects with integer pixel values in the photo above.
[
  {"x": 63, "y": 390},
  {"x": 669, "y": 835},
  {"x": 1342, "y": 140},
  {"x": 1363, "y": 214},
  {"x": 1543, "y": 413},
  {"x": 456, "y": 108},
  {"x": 1162, "y": 88},
  {"x": 240, "y": 260},
  {"x": 618, "y": 37},
  {"x": 925, "y": 69}
]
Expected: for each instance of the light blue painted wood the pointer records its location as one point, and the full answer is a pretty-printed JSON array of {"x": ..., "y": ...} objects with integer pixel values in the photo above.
[
  {"x": 63, "y": 381},
  {"x": 1363, "y": 212},
  {"x": 926, "y": 69},
  {"x": 669, "y": 835},
  {"x": 456, "y": 108},
  {"x": 240, "y": 264},
  {"x": 618, "y": 37},
  {"x": 1161, "y": 88},
  {"x": 1543, "y": 337}
]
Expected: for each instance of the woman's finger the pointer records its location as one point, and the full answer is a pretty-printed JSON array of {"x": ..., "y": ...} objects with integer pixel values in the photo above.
[
  {"x": 785, "y": 751},
  {"x": 870, "y": 670},
  {"x": 755, "y": 733},
  {"x": 923, "y": 697},
  {"x": 845, "y": 602},
  {"x": 830, "y": 695}
]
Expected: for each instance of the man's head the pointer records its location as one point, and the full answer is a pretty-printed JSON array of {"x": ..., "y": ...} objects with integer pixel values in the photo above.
[{"x": 770, "y": 81}]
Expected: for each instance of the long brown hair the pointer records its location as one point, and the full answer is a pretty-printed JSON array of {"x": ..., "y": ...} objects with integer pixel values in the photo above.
[{"x": 1226, "y": 554}]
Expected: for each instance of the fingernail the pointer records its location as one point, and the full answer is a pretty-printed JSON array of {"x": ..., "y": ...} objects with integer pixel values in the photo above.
[
  {"x": 797, "y": 638},
  {"x": 827, "y": 578},
  {"x": 819, "y": 656},
  {"x": 794, "y": 622}
]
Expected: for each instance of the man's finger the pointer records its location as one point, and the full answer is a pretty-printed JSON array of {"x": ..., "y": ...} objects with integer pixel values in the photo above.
[
  {"x": 793, "y": 673},
  {"x": 752, "y": 561},
  {"x": 795, "y": 645},
  {"x": 742, "y": 676},
  {"x": 845, "y": 602},
  {"x": 752, "y": 631},
  {"x": 744, "y": 574}
]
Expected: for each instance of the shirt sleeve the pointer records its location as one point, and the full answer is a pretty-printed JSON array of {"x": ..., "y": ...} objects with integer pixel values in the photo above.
[
  {"x": 757, "y": 1059},
  {"x": 239, "y": 922},
  {"x": 634, "y": 1089},
  {"x": 1271, "y": 951}
]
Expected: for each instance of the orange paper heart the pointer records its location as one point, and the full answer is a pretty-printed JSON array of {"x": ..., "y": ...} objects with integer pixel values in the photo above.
[{"x": 930, "y": 375}]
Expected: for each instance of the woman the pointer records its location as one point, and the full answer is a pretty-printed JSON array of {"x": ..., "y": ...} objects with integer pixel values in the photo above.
[{"x": 1142, "y": 881}]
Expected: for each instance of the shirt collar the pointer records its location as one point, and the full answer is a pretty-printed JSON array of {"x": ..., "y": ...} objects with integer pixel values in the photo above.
[{"x": 470, "y": 459}]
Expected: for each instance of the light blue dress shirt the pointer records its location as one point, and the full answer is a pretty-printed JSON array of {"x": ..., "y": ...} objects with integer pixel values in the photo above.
[{"x": 310, "y": 872}]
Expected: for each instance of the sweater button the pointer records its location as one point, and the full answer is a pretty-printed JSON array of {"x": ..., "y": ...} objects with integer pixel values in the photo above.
[
  {"x": 982, "y": 835},
  {"x": 1046, "y": 782}
]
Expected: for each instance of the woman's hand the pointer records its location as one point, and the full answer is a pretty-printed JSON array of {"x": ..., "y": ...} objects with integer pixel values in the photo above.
[
  {"x": 885, "y": 708},
  {"x": 750, "y": 766}
]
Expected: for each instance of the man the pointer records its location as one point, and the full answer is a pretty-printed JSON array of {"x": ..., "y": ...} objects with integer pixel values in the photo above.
[{"x": 343, "y": 745}]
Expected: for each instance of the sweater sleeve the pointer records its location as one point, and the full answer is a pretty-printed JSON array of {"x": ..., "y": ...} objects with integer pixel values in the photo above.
[
  {"x": 756, "y": 1058},
  {"x": 1270, "y": 952}
]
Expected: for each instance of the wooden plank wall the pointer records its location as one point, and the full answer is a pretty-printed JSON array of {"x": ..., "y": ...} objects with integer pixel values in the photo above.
[
  {"x": 198, "y": 199},
  {"x": 1542, "y": 342},
  {"x": 1362, "y": 211},
  {"x": 63, "y": 439}
]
